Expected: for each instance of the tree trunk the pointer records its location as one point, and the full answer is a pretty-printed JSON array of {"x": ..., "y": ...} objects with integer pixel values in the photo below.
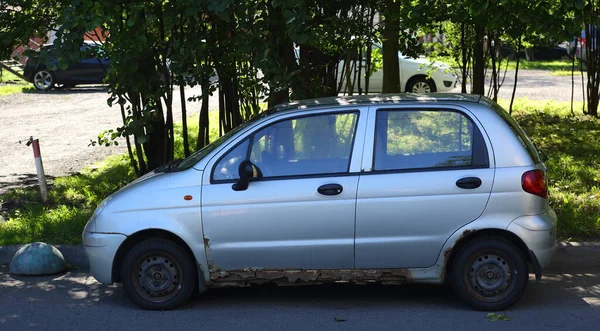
[
  {"x": 495, "y": 65},
  {"x": 478, "y": 86},
  {"x": 203, "y": 124},
  {"x": 583, "y": 99},
  {"x": 573, "y": 81},
  {"x": 593, "y": 68},
  {"x": 280, "y": 41},
  {"x": 512, "y": 97},
  {"x": 391, "y": 35},
  {"x": 136, "y": 110},
  {"x": 132, "y": 160},
  {"x": 464, "y": 64},
  {"x": 186, "y": 143}
]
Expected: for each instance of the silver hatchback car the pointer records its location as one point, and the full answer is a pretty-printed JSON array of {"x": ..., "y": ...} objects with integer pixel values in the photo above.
[{"x": 388, "y": 188}]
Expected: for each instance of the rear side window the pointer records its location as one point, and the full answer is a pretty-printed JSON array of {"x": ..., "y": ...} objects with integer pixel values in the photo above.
[
  {"x": 532, "y": 150},
  {"x": 427, "y": 139}
]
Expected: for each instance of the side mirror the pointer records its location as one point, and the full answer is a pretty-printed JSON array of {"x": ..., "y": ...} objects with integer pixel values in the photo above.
[{"x": 246, "y": 171}]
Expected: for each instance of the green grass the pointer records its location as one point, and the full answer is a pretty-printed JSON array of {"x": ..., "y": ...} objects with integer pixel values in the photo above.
[
  {"x": 571, "y": 143},
  {"x": 11, "y": 84},
  {"x": 72, "y": 202},
  {"x": 74, "y": 198},
  {"x": 555, "y": 67}
]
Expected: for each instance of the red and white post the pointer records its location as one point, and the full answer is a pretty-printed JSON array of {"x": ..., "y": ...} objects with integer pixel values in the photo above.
[{"x": 39, "y": 166}]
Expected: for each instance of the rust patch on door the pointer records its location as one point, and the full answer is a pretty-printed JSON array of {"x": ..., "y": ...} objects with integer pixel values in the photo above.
[{"x": 251, "y": 276}]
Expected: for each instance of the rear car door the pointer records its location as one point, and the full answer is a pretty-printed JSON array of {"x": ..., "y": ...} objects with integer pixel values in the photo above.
[
  {"x": 428, "y": 174},
  {"x": 300, "y": 214}
]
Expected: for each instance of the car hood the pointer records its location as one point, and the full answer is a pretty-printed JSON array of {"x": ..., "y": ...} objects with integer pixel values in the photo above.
[{"x": 156, "y": 190}]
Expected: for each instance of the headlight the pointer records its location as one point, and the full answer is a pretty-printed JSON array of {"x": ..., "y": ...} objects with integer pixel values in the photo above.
[
  {"x": 91, "y": 224},
  {"x": 100, "y": 207}
]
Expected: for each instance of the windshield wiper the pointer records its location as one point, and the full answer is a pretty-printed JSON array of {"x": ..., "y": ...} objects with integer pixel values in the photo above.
[{"x": 169, "y": 166}]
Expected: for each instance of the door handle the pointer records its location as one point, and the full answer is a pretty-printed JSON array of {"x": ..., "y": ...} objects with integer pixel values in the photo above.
[
  {"x": 469, "y": 183},
  {"x": 330, "y": 189}
]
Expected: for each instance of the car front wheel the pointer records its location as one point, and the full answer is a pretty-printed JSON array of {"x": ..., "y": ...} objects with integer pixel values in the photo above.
[
  {"x": 43, "y": 80},
  {"x": 158, "y": 274},
  {"x": 490, "y": 274}
]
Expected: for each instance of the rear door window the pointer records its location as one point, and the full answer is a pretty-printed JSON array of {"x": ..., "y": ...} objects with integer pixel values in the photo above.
[{"x": 427, "y": 139}]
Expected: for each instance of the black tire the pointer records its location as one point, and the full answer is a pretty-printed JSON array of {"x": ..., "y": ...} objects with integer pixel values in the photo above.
[
  {"x": 158, "y": 274},
  {"x": 420, "y": 84},
  {"x": 490, "y": 274},
  {"x": 44, "y": 80}
]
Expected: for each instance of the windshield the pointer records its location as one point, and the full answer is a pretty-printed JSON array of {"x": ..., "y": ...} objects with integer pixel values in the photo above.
[{"x": 191, "y": 160}]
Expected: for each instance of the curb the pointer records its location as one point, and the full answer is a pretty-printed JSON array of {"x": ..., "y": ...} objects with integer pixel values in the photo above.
[{"x": 74, "y": 254}]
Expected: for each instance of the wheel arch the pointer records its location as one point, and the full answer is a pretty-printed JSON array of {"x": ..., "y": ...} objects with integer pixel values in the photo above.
[
  {"x": 415, "y": 77},
  {"x": 471, "y": 235},
  {"x": 142, "y": 235}
]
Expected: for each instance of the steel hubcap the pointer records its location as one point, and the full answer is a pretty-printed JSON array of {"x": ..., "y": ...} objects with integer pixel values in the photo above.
[
  {"x": 158, "y": 277},
  {"x": 490, "y": 275},
  {"x": 421, "y": 87},
  {"x": 43, "y": 79}
]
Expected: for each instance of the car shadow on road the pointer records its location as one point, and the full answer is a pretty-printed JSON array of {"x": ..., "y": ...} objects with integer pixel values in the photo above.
[
  {"x": 570, "y": 284},
  {"x": 81, "y": 294}
]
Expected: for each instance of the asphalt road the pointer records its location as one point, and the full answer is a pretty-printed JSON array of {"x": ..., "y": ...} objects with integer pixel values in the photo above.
[
  {"x": 567, "y": 298},
  {"x": 537, "y": 85}
]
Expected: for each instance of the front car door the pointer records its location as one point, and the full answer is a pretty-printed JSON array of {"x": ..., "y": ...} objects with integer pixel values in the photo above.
[
  {"x": 90, "y": 68},
  {"x": 300, "y": 214},
  {"x": 428, "y": 174}
]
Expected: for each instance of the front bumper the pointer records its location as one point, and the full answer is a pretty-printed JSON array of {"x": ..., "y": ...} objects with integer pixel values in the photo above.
[
  {"x": 539, "y": 234},
  {"x": 101, "y": 249}
]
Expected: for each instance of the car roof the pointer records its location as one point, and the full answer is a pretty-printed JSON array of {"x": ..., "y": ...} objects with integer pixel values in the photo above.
[{"x": 379, "y": 99}]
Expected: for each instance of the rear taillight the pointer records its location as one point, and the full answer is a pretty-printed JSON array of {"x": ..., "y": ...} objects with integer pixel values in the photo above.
[
  {"x": 26, "y": 61},
  {"x": 534, "y": 182}
]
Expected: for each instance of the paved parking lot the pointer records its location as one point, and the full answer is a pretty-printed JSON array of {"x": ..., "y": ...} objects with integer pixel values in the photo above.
[{"x": 567, "y": 298}]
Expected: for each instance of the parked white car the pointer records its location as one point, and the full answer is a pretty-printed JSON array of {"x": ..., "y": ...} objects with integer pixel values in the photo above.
[
  {"x": 419, "y": 75},
  {"x": 438, "y": 188}
]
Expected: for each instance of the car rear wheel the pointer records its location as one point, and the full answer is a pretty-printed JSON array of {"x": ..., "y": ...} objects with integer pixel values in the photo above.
[
  {"x": 490, "y": 274},
  {"x": 158, "y": 274},
  {"x": 420, "y": 85},
  {"x": 43, "y": 80}
]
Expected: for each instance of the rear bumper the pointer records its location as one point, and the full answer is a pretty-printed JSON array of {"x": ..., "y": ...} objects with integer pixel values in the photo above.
[
  {"x": 101, "y": 249},
  {"x": 539, "y": 234}
]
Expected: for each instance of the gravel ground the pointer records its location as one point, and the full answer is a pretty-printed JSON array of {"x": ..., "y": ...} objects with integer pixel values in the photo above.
[{"x": 66, "y": 120}]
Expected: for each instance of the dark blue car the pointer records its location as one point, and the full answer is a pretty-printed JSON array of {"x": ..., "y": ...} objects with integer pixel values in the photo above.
[{"x": 90, "y": 69}]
